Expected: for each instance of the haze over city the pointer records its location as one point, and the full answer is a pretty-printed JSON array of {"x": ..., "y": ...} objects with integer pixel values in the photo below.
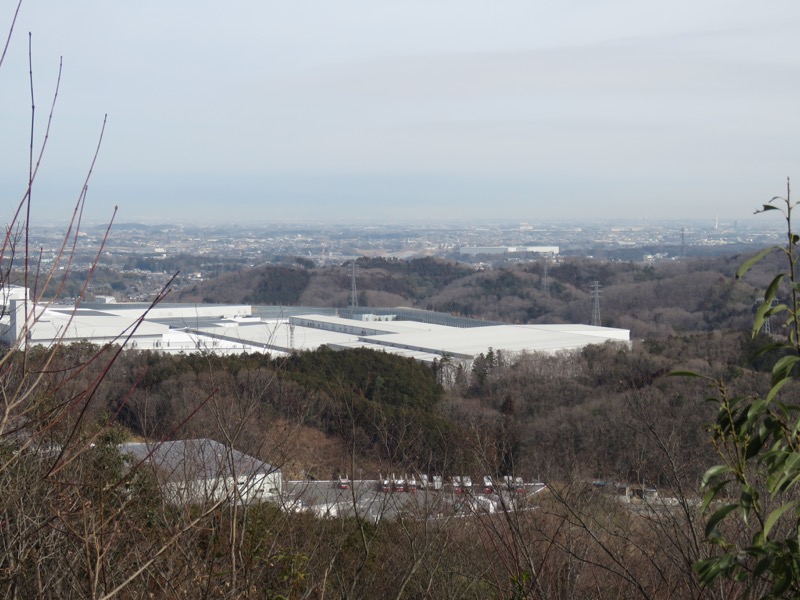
[{"x": 362, "y": 111}]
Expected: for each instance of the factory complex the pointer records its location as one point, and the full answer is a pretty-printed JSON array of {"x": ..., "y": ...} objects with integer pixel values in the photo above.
[{"x": 233, "y": 329}]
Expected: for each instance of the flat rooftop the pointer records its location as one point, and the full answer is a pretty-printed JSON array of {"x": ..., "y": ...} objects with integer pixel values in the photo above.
[{"x": 281, "y": 330}]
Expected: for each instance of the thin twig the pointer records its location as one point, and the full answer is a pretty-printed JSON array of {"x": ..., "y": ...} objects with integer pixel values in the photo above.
[{"x": 10, "y": 32}]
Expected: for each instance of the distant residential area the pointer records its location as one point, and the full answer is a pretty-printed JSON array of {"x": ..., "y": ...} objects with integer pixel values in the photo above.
[{"x": 141, "y": 254}]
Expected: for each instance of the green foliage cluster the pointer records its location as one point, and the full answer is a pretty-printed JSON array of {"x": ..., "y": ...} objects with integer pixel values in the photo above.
[
  {"x": 382, "y": 405},
  {"x": 752, "y": 494},
  {"x": 386, "y": 405},
  {"x": 377, "y": 376}
]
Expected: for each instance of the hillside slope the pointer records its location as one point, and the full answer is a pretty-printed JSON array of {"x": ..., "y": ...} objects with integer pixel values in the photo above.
[{"x": 651, "y": 300}]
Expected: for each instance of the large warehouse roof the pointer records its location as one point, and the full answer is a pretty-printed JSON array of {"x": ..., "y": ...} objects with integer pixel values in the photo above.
[{"x": 236, "y": 328}]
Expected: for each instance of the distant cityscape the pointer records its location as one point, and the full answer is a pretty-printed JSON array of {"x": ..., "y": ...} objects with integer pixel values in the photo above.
[{"x": 148, "y": 253}]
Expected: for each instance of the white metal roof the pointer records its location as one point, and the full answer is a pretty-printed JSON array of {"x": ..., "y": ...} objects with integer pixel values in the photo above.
[{"x": 229, "y": 329}]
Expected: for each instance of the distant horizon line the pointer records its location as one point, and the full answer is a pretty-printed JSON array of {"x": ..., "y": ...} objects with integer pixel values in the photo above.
[{"x": 711, "y": 223}]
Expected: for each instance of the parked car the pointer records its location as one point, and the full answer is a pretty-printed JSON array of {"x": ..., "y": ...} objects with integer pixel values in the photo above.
[
  {"x": 461, "y": 484},
  {"x": 514, "y": 484}
]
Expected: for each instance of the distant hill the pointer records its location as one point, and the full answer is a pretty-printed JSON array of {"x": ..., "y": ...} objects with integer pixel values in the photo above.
[
  {"x": 652, "y": 300},
  {"x": 263, "y": 285},
  {"x": 381, "y": 282}
]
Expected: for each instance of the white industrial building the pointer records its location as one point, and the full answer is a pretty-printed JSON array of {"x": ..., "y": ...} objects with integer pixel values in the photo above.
[
  {"x": 200, "y": 471},
  {"x": 477, "y": 250},
  {"x": 233, "y": 329},
  {"x": 429, "y": 341}
]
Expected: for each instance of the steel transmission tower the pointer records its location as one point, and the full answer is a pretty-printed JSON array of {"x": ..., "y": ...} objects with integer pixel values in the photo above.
[
  {"x": 545, "y": 282},
  {"x": 353, "y": 291},
  {"x": 596, "y": 303},
  {"x": 683, "y": 243},
  {"x": 767, "y": 326}
]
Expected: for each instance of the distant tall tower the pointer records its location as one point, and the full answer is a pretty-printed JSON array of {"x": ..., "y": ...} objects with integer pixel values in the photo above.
[
  {"x": 596, "y": 304},
  {"x": 353, "y": 291},
  {"x": 683, "y": 243},
  {"x": 545, "y": 282}
]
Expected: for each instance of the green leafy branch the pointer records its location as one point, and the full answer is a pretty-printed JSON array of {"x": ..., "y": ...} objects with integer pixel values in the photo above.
[{"x": 751, "y": 497}]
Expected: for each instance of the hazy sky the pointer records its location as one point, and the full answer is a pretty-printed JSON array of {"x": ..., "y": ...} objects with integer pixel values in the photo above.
[{"x": 387, "y": 110}]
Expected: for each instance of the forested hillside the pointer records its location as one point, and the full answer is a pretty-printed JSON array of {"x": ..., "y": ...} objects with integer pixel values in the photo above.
[
  {"x": 607, "y": 413},
  {"x": 658, "y": 300},
  {"x": 79, "y": 519},
  {"x": 555, "y": 416},
  {"x": 667, "y": 468}
]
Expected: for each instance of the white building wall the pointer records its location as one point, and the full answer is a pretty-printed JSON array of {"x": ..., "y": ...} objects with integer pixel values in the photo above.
[{"x": 259, "y": 488}]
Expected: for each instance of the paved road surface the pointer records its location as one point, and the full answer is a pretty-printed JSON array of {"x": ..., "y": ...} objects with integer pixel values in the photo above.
[{"x": 366, "y": 498}]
